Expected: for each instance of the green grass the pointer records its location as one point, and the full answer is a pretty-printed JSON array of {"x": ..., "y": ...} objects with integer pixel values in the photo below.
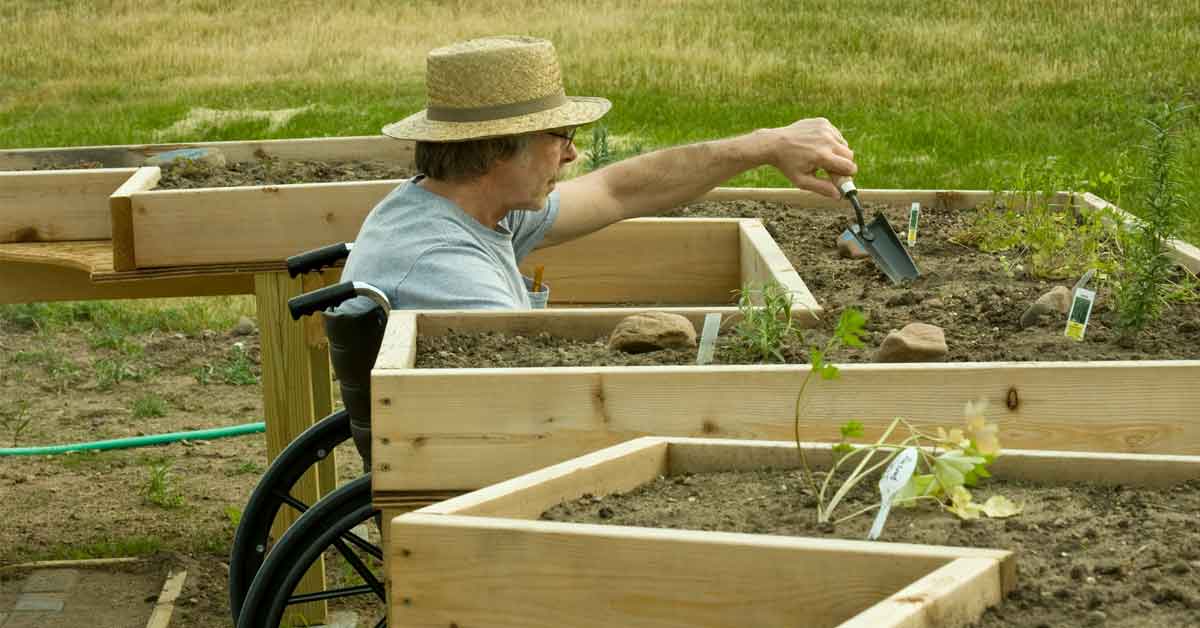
[
  {"x": 930, "y": 94},
  {"x": 131, "y": 546},
  {"x": 149, "y": 406}
]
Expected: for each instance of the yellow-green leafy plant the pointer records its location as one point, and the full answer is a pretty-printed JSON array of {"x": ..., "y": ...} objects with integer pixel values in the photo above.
[
  {"x": 948, "y": 463},
  {"x": 764, "y": 324}
]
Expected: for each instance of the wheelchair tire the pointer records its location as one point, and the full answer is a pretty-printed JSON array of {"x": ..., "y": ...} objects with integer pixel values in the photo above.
[
  {"x": 252, "y": 541},
  {"x": 328, "y": 524}
]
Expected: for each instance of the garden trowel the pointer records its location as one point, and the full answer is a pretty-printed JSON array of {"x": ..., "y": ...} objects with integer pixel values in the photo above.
[{"x": 878, "y": 239}]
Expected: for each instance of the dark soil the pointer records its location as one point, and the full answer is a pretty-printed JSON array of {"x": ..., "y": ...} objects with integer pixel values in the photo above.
[
  {"x": 962, "y": 290},
  {"x": 187, "y": 174},
  {"x": 1086, "y": 554}
]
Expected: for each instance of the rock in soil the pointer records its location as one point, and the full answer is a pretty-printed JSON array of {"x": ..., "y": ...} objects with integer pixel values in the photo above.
[
  {"x": 916, "y": 342},
  {"x": 651, "y": 331}
]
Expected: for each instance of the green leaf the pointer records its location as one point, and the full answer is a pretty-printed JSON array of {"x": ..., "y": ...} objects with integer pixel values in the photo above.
[
  {"x": 950, "y": 468},
  {"x": 816, "y": 358},
  {"x": 918, "y": 485},
  {"x": 850, "y": 327},
  {"x": 829, "y": 371},
  {"x": 852, "y": 429},
  {"x": 842, "y": 448}
]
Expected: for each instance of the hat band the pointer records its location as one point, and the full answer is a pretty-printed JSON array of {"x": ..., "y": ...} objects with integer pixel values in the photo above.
[{"x": 496, "y": 112}]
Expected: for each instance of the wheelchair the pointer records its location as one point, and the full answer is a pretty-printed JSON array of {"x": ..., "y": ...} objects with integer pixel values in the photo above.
[{"x": 262, "y": 576}]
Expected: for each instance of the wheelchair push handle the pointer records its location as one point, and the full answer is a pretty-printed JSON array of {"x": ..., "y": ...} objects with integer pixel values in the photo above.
[
  {"x": 331, "y": 296},
  {"x": 317, "y": 259}
]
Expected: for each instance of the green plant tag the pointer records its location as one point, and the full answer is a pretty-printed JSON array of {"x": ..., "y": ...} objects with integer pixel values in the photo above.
[
  {"x": 1081, "y": 311},
  {"x": 894, "y": 478},
  {"x": 914, "y": 214},
  {"x": 708, "y": 337}
]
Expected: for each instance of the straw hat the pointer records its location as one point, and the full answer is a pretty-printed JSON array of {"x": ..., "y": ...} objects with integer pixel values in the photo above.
[{"x": 491, "y": 87}]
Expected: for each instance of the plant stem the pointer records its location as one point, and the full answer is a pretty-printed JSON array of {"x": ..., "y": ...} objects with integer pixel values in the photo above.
[
  {"x": 822, "y": 513},
  {"x": 874, "y": 506}
]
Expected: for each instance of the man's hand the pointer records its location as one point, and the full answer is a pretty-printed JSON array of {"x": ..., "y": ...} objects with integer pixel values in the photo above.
[{"x": 802, "y": 148}]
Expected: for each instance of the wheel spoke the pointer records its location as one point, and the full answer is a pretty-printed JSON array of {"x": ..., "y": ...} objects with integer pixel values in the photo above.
[
  {"x": 363, "y": 544},
  {"x": 362, "y": 569},
  {"x": 291, "y": 501},
  {"x": 331, "y": 594}
]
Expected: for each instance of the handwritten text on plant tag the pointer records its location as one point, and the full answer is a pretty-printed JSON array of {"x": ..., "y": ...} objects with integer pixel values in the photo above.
[{"x": 894, "y": 478}]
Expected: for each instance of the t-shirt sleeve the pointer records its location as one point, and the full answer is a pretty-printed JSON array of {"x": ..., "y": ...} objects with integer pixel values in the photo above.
[
  {"x": 529, "y": 228},
  {"x": 453, "y": 278}
]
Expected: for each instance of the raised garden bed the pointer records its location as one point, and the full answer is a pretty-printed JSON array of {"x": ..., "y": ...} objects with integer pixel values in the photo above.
[{"x": 485, "y": 557}]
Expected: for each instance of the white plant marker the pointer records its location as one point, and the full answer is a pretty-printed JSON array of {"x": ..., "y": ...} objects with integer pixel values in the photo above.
[
  {"x": 708, "y": 337},
  {"x": 894, "y": 478},
  {"x": 1081, "y": 311},
  {"x": 914, "y": 213}
]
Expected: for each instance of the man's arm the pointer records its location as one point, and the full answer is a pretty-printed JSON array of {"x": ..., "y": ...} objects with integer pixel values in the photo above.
[{"x": 654, "y": 182}]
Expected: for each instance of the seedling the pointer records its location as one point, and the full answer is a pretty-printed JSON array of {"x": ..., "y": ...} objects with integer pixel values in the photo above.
[
  {"x": 763, "y": 330},
  {"x": 947, "y": 463},
  {"x": 148, "y": 407},
  {"x": 16, "y": 420},
  {"x": 159, "y": 490}
]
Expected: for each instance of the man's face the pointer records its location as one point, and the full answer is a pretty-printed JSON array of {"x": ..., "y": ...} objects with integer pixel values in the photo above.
[{"x": 533, "y": 173}]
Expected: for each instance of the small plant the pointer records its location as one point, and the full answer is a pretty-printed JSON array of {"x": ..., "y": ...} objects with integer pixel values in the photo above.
[
  {"x": 248, "y": 467},
  {"x": 149, "y": 406},
  {"x": 765, "y": 323},
  {"x": 1144, "y": 281},
  {"x": 159, "y": 490},
  {"x": 234, "y": 514},
  {"x": 15, "y": 420},
  {"x": 114, "y": 370},
  {"x": 952, "y": 461},
  {"x": 237, "y": 369}
]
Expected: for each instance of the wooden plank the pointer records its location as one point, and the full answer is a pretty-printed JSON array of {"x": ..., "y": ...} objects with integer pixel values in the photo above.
[
  {"x": 939, "y": 199},
  {"x": 524, "y": 419},
  {"x": 22, "y": 282},
  {"x": 398, "y": 350},
  {"x": 955, "y": 594},
  {"x": 121, "y": 215},
  {"x": 576, "y": 323},
  {"x": 700, "y": 455},
  {"x": 360, "y": 148},
  {"x": 160, "y": 616},
  {"x": 248, "y": 224},
  {"x": 613, "y": 469},
  {"x": 1183, "y": 253},
  {"x": 57, "y": 205},
  {"x": 287, "y": 384},
  {"x": 473, "y": 571},
  {"x": 669, "y": 261},
  {"x": 763, "y": 261}
]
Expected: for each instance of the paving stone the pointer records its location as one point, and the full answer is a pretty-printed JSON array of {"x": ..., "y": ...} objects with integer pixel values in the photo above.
[
  {"x": 50, "y": 580},
  {"x": 45, "y": 602}
]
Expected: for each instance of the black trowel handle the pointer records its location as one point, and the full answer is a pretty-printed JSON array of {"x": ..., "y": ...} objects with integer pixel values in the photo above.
[{"x": 849, "y": 192}]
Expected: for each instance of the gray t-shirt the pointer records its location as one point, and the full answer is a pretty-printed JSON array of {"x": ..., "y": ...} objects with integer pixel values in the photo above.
[{"x": 424, "y": 252}]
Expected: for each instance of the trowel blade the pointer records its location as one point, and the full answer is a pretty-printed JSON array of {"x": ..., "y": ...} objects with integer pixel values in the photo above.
[{"x": 887, "y": 251}]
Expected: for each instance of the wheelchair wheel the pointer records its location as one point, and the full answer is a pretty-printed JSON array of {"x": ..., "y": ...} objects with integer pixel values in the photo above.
[
  {"x": 252, "y": 541},
  {"x": 352, "y": 561}
]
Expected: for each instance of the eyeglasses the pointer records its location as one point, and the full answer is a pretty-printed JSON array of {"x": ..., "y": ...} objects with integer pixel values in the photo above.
[{"x": 566, "y": 135}]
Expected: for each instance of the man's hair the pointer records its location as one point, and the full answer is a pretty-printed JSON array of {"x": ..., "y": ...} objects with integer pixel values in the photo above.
[{"x": 463, "y": 161}]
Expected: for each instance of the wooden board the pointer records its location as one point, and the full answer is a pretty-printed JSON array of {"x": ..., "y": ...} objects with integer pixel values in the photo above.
[
  {"x": 671, "y": 261},
  {"x": 517, "y": 420},
  {"x": 525, "y": 572},
  {"x": 22, "y": 282},
  {"x": 362, "y": 148},
  {"x": 57, "y": 205},
  {"x": 121, "y": 215},
  {"x": 762, "y": 261}
]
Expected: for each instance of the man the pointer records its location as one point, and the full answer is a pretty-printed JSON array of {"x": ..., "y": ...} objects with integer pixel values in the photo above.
[{"x": 497, "y": 130}]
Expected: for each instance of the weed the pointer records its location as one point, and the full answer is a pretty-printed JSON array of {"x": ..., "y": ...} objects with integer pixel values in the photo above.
[
  {"x": 149, "y": 406},
  {"x": 236, "y": 369},
  {"x": 765, "y": 324},
  {"x": 159, "y": 490},
  {"x": 116, "y": 548},
  {"x": 1143, "y": 282},
  {"x": 15, "y": 420},
  {"x": 234, "y": 514},
  {"x": 248, "y": 467},
  {"x": 114, "y": 370},
  {"x": 599, "y": 155},
  {"x": 61, "y": 370}
]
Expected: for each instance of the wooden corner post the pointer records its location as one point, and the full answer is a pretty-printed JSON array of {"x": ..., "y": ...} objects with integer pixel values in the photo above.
[{"x": 296, "y": 392}]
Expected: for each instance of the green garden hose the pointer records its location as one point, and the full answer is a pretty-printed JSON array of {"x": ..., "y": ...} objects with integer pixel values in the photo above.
[{"x": 137, "y": 441}]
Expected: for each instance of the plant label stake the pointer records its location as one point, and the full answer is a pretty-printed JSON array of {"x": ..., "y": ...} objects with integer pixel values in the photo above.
[
  {"x": 1081, "y": 311},
  {"x": 914, "y": 213},
  {"x": 894, "y": 478},
  {"x": 708, "y": 337}
]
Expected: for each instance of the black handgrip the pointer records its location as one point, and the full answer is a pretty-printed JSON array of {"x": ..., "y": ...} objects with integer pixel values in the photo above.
[
  {"x": 319, "y": 300},
  {"x": 317, "y": 259}
]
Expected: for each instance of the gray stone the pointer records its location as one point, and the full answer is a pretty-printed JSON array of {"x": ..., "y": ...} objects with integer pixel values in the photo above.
[
  {"x": 849, "y": 248},
  {"x": 50, "y": 580},
  {"x": 651, "y": 331},
  {"x": 1057, "y": 299},
  {"x": 244, "y": 327},
  {"x": 917, "y": 342},
  {"x": 43, "y": 602}
]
